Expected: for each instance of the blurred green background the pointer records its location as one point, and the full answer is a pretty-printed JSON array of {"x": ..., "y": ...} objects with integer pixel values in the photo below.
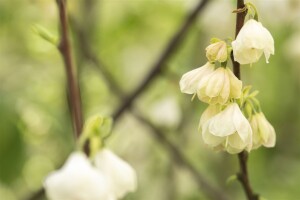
[{"x": 128, "y": 36}]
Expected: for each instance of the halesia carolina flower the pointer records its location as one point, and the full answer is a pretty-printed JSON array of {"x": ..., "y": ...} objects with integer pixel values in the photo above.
[
  {"x": 263, "y": 132},
  {"x": 77, "y": 180},
  {"x": 228, "y": 130},
  {"x": 219, "y": 87},
  {"x": 252, "y": 41},
  {"x": 189, "y": 82},
  {"x": 217, "y": 52},
  {"x": 121, "y": 175}
]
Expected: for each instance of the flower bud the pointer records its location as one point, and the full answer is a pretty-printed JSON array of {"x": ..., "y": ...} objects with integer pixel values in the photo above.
[
  {"x": 217, "y": 52},
  {"x": 228, "y": 130},
  {"x": 263, "y": 132},
  {"x": 252, "y": 41},
  {"x": 219, "y": 87}
]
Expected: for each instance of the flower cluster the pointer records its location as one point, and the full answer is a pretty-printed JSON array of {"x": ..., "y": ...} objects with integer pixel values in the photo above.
[
  {"x": 106, "y": 177},
  {"x": 233, "y": 121}
]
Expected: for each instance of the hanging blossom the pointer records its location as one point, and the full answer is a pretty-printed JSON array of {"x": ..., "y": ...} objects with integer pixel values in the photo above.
[
  {"x": 252, "y": 41},
  {"x": 263, "y": 132},
  {"x": 121, "y": 175},
  {"x": 219, "y": 86},
  {"x": 78, "y": 180},
  {"x": 228, "y": 130},
  {"x": 189, "y": 82},
  {"x": 109, "y": 179}
]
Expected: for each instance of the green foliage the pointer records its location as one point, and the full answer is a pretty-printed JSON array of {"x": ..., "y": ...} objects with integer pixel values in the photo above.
[
  {"x": 128, "y": 36},
  {"x": 12, "y": 147}
]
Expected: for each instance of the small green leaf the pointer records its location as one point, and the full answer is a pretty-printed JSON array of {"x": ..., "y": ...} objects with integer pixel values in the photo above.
[
  {"x": 45, "y": 34},
  {"x": 214, "y": 40},
  {"x": 262, "y": 198},
  {"x": 231, "y": 178},
  {"x": 95, "y": 128}
]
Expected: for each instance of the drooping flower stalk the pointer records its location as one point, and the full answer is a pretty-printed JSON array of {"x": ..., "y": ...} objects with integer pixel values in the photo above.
[{"x": 243, "y": 176}]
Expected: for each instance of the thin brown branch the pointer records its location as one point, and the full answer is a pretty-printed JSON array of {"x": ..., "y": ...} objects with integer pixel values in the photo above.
[
  {"x": 243, "y": 175},
  {"x": 171, "y": 47},
  {"x": 240, "y": 18},
  {"x": 72, "y": 83}
]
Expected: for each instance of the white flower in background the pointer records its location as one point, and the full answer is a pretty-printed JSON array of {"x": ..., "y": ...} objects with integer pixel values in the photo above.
[
  {"x": 217, "y": 52},
  {"x": 228, "y": 130},
  {"x": 165, "y": 112},
  {"x": 252, "y": 41},
  {"x": 219, "y": 87},
  {"x": 121, "y": 175},
  {"x": 263, "y": 131},
  {"x": 77, "y": 180},
  {"x": 189, "y": 82}
]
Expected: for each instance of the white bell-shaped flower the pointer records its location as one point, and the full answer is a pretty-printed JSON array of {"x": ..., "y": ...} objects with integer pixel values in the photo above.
[
  {"x": 189, "y": 82},
  {"x": 252, "y": 41},
  {"x": 78, "y": 180},
  {"x": 219, "y": 87},
  {"x": 263, "y": 132},
  {"x": 121, "y": 175},
  {"x": 228, "y": 130}
]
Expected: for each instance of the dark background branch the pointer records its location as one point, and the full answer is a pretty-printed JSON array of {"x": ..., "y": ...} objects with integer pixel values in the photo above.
[{"x": 171, "y": 47}]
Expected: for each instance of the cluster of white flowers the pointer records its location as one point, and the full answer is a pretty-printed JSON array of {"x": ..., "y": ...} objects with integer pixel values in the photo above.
[
  {"x": 226, "y": 124},
  {"x": 107, "y": 177}
]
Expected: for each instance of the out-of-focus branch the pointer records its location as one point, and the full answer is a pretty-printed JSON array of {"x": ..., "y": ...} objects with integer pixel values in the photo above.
[
  {"x": 181, "y": 159},
  {"x": 171, "y": 47},
  {"x": 72, "y": 83},
  {"x": 243, "y": 175},
  {"x": 156, "y": 69},
  {"x": 174, "y": 151},
  {"x": 165, "y": 142}
]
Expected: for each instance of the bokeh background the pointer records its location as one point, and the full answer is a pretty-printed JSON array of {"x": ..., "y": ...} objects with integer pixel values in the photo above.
[{"x": 128, "y": 36}]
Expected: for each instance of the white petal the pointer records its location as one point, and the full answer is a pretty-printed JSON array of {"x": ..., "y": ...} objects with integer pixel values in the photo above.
[
  {"x": 209, "y": 112},
  {"x": 225, "y": 92},
  {"x": 233, "y": 150},
  {"x": 235, "y": 85},
  {"x": 221, "y": 124},
  {"x": 236, "y": 142},
  {"x": 210, "y": 139},
  {"x": 256, "y": 135},
  {"x": 215, "y": 83},
  {"x": 267, "y": 131},
  {"x": 189, "y": 81},
  {"x": 242, "y": 125},
  {"x": 122, "y": 176}
]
